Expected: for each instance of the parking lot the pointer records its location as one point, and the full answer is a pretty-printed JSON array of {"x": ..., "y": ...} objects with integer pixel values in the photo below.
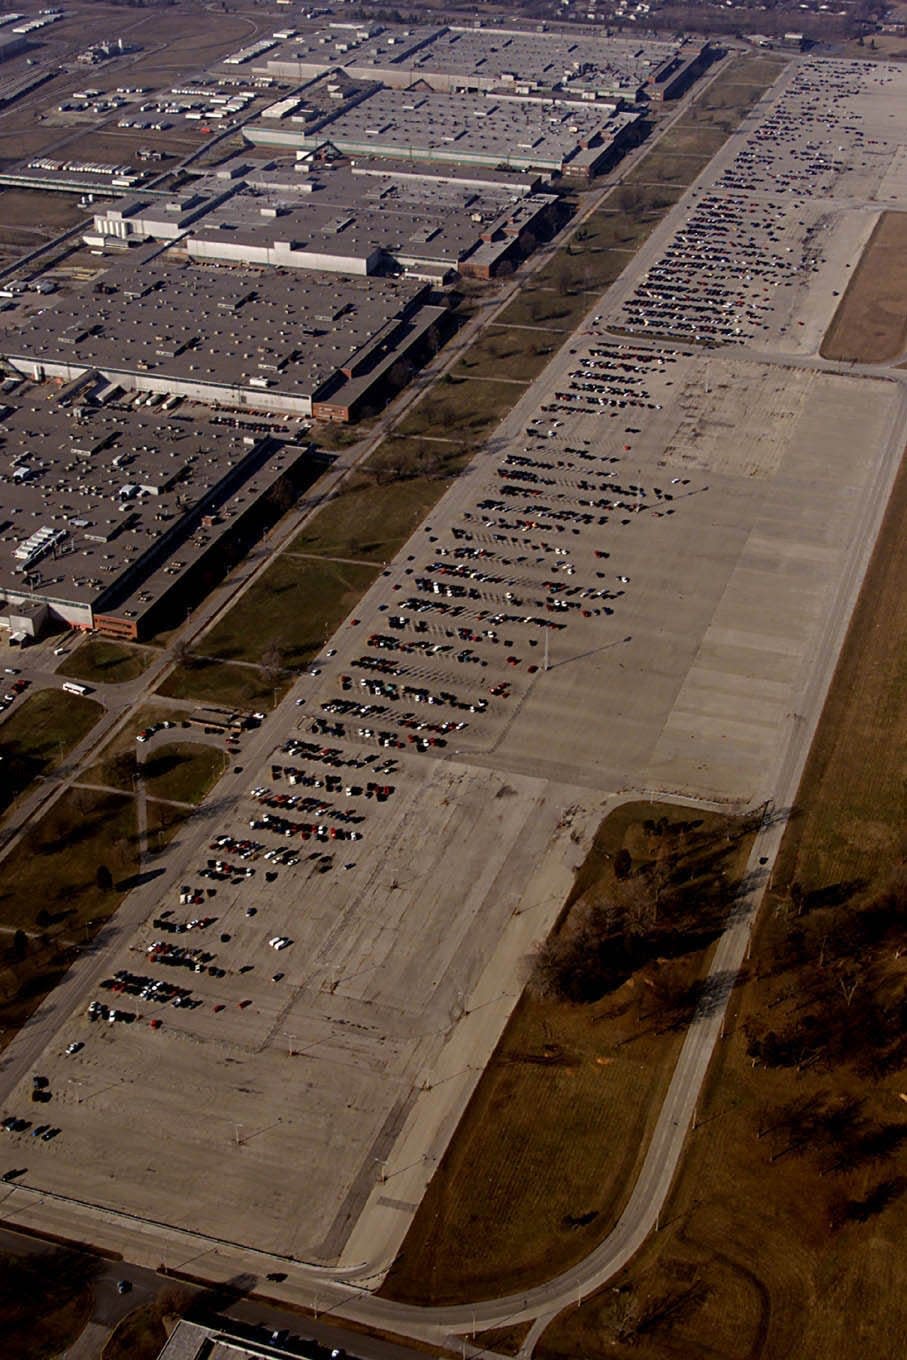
[
  {"x": 760, "y": 254},
  {"x": 550, "y": 638},
  {"x": 630, "y": 591}
]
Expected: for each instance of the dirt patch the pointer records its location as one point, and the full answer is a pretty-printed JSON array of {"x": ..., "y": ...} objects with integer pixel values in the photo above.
[
  {"x": 870, "y": 325},
  {"x": 44, "y": 213}
]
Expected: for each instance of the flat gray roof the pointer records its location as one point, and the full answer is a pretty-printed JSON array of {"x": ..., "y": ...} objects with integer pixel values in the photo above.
[
  {"x": 456, "y": 127},
  {"x": 112, "y": 483},
  {"x": 544, "y": 59},
  {"x": 164, "y": 317},
  {"x": 486, "y": 57},
  {"x": 337, "y": 211}
]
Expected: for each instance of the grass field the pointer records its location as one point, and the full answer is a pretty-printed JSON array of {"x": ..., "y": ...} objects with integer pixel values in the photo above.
[
  {"x": 689, "y": 138},
  {"x": 37, "y": 735},
  {"x": 106, "y": 663},
  {"x": 164, "y": 824},
  {"x": 218, "y": 682},
  {"x": 667, "y": 167},
  {"x": 785, "y": 1229},
  {"x": 183, "y": 771},
  {"x": 549, "y": 1145},
  {"x": 45, "y": 1301},
  {"x": 501, "y": 352},
  {"x": 116, "y": 763},
  {"x": 545, "y": 308},
  {"x": 368, "y": 522},
  {"x": 293, "y": 606},
  {"x": 50, "y": 893},
  {"x": 733, "y": 92},
  {"x": 52, "y": 869},
  {"x": 503, "y": 1340},
  {"x": 404, "y": 459},
  {"x": 460, "y": 408},
  {"x": 870, "y": 324},
  {"x": 28, "y": 216},
  {"x": 140, "y": 1336}
]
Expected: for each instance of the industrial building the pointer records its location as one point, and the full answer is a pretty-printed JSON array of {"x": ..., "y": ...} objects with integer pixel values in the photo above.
[
  {"x": 454, "y": 59},
  {"x": 196, "y": 1341},
  {"x": 364, "y": 219},
  {"x": 112, "y": 509},
  {"x": 551, "y": 136},
  {"x": 278, "y": 340},
  {"x": 11, "y": 45}
]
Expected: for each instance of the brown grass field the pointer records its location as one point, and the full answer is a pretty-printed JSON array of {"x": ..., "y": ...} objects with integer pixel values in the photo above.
[
  {"x": 504, "y": 353},
  {"x": 43, "y": 214},
  {"x": 209, "y": 680},
  {"x": 46, "y": 1298},
  {"x": 784, "y": 1235},
  {"x": 49, "y": 891},
  {"x": 506, "y": 1212},
  {"x": 870, "y": 324},
  {"x": 100, "y": 661},
  {"x": 139, "y": 1336},
  {"x": 38, "y": 734}
]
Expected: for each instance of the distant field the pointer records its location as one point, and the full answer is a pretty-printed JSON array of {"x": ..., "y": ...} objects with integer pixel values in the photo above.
[
  {"x": 784, "y": 1233},
  {"x": 870, "y": 324}
]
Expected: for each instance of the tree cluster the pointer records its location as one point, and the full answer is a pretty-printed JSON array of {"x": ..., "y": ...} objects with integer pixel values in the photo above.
[
  {"x": 848, "y": 994},
  {"x": 673, "y": 905}
]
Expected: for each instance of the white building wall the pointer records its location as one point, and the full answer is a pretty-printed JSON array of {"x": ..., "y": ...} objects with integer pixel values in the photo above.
[
  {"x": 279, "y": 254},
  {"x": 210, "y": 393}
]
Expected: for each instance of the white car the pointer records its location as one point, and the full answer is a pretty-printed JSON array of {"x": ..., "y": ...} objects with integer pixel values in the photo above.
[{"x": 279, "y": 942}]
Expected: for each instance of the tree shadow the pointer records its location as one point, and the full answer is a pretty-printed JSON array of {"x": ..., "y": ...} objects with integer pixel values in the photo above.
[{"x": 210, "y": 1303}]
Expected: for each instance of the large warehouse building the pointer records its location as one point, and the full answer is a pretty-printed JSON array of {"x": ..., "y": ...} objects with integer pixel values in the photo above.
[
  {"x": 365, "y": 219},
  {"x": 304, "y": 344},
  {"x": 112, "y": 510}
]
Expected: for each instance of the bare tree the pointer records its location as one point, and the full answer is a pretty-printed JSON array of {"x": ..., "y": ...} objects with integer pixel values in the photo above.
[{"x": 272, "y": 662}]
